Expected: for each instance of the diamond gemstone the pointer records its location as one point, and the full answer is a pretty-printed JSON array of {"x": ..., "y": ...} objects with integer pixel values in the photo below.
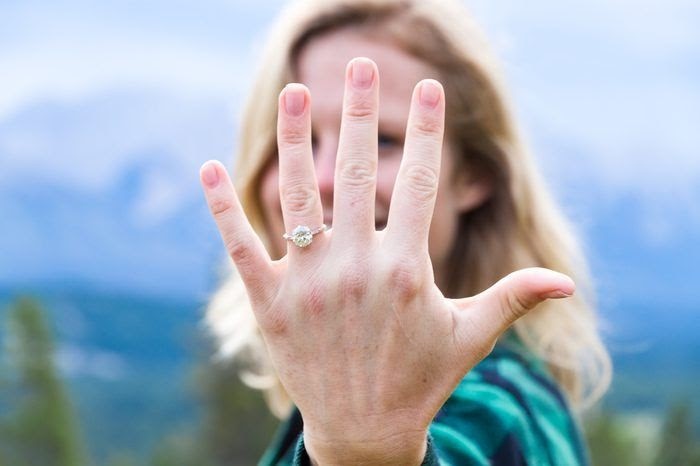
[{"x": 301, "y": 236}]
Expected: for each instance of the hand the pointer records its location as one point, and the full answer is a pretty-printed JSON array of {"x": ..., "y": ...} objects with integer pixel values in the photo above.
[{"x": 363, "y": 341}]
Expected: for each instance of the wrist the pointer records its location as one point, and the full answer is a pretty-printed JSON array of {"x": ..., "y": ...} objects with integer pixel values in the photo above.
[{"x": 398, "y": 449}]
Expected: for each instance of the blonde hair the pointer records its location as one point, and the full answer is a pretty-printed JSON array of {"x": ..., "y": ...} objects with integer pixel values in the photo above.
[{"x": 517, "y": 226}]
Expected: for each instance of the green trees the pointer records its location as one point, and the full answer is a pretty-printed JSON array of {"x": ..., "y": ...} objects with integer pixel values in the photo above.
[
  {"x": 623, "y": 440},
  {"x": 38, "y": 424},
  {"x": 236, "y": 425},
  {"x": 234, "y": 428},
  {"x": 677, "y": 445},
  {"x": 615, "y": 442}
]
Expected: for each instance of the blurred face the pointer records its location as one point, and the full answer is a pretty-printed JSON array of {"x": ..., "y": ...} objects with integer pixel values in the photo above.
[{"x": 321, "y": 68}]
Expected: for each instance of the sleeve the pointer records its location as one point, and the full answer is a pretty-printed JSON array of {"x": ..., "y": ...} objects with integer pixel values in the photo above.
[
  {"x": 301, "y": 458},
  {"x": 504, "y": 413}
]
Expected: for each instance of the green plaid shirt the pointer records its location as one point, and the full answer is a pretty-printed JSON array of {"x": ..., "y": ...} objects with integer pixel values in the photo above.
[{"x": 507, "y": 411}]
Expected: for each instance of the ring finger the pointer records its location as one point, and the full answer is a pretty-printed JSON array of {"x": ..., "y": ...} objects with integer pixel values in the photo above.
[{"x": 299, "y": 195}]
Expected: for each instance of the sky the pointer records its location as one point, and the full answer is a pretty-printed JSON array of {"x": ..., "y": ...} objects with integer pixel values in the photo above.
[
  {"x": 619, "y": 76},
  {"x": 125, "y": 37},
  {"x": 608, "y": 92}
]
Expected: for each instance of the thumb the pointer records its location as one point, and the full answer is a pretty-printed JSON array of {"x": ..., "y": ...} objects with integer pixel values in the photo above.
[{"x": 495, "y": 309}]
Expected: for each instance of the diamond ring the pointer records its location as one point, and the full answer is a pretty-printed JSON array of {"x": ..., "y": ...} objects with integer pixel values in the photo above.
[{"x": 303, "y": 235}]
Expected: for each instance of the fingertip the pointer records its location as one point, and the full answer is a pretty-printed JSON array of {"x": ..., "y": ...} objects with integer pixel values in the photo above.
[
  {"x": 569, "y": 285},
  {"x": 566, "y": 283},
  {"x": 294, "y": 98},
  {"x": 294, "y": 87},
  {"x": 209, "y": 173},
  {"x": 430, "y": 93},
  {"x": 361, "y": 72},
  {"x": 561, "y": 286}
]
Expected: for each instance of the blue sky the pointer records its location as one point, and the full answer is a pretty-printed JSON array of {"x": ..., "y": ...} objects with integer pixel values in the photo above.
[
  {"x": 619, "y": 76},
  {"x": 608, "y": 93}
]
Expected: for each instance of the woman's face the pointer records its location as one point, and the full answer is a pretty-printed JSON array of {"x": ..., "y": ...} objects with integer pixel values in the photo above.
[{"x": 321, "y": 68}]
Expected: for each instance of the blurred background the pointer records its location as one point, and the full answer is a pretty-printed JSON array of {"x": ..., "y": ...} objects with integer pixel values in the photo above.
[{"x": 107, "y": 251}]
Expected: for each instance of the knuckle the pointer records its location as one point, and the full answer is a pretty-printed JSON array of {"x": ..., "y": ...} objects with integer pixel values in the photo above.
[
  {"x": 422, "y": 180},
  {"x": 358, "y": 173},
  {"x": 293, "y": 135},
  {"x": 299, "y": 199},
  {"x": 353, "y": 283},
  {"x": 360, "y": 109},
  {"x": 220, "y": 207},
  {"x": 404, "y": 280},
  {"x": 239, "y": 252},
  {"x": 428, "y": 127},
  {"x": 513, "y": 307}
]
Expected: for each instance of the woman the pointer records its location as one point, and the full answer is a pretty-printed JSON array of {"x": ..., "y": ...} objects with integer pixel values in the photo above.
[{"x": 374, "y": 324}]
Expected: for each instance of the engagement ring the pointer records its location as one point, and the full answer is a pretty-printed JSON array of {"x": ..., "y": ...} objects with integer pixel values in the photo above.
[{"x": 302, "y": 235}]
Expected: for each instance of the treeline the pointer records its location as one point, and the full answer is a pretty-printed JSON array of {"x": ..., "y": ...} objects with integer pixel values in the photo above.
[
  {"x": 39, "y": 424},
  {"x": 39, "y": 421}
]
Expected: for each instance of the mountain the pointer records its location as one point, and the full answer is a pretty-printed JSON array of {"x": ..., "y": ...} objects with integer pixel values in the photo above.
[{"x": 106, "y": 193}]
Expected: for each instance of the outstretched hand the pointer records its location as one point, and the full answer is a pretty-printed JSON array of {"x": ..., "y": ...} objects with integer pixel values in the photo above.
[{"x": 363, "y": 341}]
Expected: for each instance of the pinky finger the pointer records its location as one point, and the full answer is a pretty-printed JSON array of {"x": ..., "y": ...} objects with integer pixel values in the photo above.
[{"x": 242, "y": 243}]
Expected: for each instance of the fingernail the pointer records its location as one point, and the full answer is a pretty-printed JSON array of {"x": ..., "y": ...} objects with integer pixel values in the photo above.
[
  {"x": 294, "y": 99},
  {"x": 209, "y": 175},
  {"x": 429, "y": 93},
  {"x": 362, "y": 73},
  {"x": 556, "y": 294}
]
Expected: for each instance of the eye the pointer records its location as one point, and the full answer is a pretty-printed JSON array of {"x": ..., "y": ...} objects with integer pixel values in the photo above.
[{"x": 387, "y": 142}]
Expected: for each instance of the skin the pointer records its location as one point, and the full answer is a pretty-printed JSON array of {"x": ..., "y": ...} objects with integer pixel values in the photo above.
[
  {"x": 362, "y": 339},
  {"x": 329, "y": 56}
]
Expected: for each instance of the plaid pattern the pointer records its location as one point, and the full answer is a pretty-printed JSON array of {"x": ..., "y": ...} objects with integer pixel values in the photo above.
[{"x": 506, "y": 411}]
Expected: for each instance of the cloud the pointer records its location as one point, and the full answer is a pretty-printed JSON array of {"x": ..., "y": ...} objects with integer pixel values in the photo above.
[
  {"x": 72, "y": 69},
  {"x": 87, "y": 144},
  {"x": 619, "y": 79},
  {"x": 69, "y": 49}
]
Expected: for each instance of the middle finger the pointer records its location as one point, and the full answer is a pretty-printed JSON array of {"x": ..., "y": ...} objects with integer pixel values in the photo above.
[{"x": 356, "y": 161}]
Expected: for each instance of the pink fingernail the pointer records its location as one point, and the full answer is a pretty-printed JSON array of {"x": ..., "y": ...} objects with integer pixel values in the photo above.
[
  {"x": 209, "y": 175},
  {"x": 429, "y": 93},
  {"x": 294, "y": 99},
  {"x": 362, "y": 73},
  {"x": 556, "y": 294}
]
